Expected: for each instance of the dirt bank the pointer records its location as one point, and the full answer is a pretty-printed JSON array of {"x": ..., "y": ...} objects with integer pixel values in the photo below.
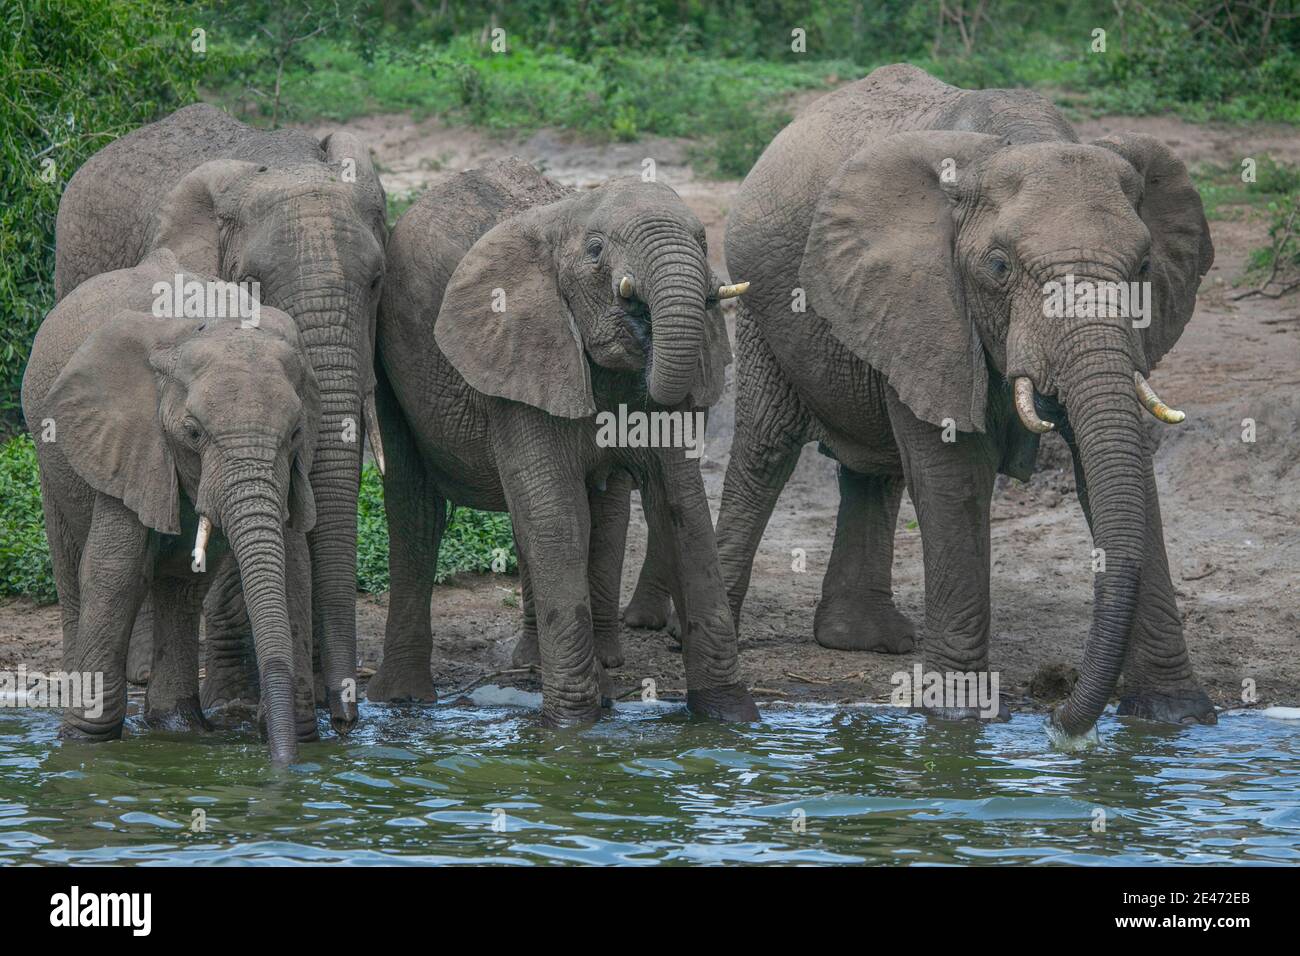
[{"x": 1229, "y": 508}]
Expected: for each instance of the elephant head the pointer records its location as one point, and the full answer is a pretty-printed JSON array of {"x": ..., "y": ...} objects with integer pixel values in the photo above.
[
  {"x": 312, "y": 236},
  {"x": 617, "y": 275},
  {"x": 933, "y": 255},
  {"x": 149, "y": 408}
]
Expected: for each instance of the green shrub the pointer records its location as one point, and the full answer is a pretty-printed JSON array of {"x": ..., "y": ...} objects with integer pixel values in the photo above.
[
  {"x": 25, "y": 567},
  {"x": 472, "y": 540}
]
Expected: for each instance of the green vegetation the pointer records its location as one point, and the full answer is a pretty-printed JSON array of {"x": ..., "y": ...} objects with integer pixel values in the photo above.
[
  {"x": 24, "y": 551},
  {"x": 472, "y": 541}
]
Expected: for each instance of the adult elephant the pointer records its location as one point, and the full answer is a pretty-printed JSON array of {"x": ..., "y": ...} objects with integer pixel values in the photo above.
[
  {"x": 901, "y": 235},
  {"x": 514, "y": 312},
  {"x": 306, "y": 219},
  {"x": 153, "y": 478}
]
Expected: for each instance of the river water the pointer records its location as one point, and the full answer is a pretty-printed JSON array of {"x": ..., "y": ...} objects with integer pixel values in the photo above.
[{"x": 484, "y": 784}]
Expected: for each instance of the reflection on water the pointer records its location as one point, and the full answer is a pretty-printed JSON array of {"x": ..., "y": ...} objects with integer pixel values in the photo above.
[{"x": 484, "y": 784}]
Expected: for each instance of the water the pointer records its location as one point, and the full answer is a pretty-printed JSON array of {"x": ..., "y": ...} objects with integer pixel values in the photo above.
[{"x": 650, "y": 785}]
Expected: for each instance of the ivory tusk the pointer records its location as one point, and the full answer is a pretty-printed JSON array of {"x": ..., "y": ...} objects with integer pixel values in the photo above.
[
  {"x": 626, "y": 287},
  {"x": 1170, "y": 416},
  {"x": 372, "y": 430},
  {"x": 1025, "y": 407},
  {"x": 733, "y": 290},
  {"x": 201, "y": 541}
]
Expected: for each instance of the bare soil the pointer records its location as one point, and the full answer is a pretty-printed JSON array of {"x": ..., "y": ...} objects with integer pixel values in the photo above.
[{"x": 1230, "y": 508}]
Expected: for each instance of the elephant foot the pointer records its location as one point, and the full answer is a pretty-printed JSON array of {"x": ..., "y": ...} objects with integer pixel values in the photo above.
[
  {"x": 180, "y": 716},
  {"x": 581, "y": 717},
  {"x": 395, "y": 683},
  {"x": 1189, "y": 706},
  {"x": 648, "y": 612},
  {"x": 227, "y": 690},
  {"x": 850, "y": 624},
  {"x": 732, "y": 704},
  {"x": 526, "y": 653},
  {"x": 609, "y": 650}
]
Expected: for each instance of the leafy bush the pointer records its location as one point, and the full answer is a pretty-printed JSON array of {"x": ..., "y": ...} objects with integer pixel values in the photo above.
[
  {"x": 74, "y": 75},
  {"x": 472, "y": 540},
  {"x": 25, "y": 566}
]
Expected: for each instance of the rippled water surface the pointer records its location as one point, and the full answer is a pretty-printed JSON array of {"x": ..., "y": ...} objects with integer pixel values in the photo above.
[{"x": 651, "y": 786}]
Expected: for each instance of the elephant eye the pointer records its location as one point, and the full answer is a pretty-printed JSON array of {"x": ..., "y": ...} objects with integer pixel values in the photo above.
[
  {"x": 998, "y": 266},
  {"x": 1145, "y": 267},
  {"x": 374, "y": 283},
  {"x": 192, "y": 430},
  {"x": 595, "y": 246}
]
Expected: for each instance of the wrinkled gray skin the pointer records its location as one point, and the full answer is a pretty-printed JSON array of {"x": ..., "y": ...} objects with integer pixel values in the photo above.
[
  {"x": 924, "y": 299},
  {"x": 498, "y": 412},
  {"x": 155, "y": 421},
  {"x": 306, "y": 219}
]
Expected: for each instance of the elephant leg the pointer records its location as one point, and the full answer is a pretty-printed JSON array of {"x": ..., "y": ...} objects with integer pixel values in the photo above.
[
  {"x": 229, "y": 664},
  {"x": 951, "y": 485},
  {"x": 857, "y": 611},
  {"x": 651, "y": 604},
  {"x": 1158, "y": 680},
  {"x": 65, "y": 556},
  {"x": 116, "y": 568},
  {"x": 298, "y": 598},
  {"x": 771, "y": 430},
  {"x": 140, "y": 652},
  {"x": 417, "y": 516},
  {"x": 547, "y": 495},
  {"x": 610, "y": 511},
  {"x": 172, "y": 700},
  {"x": 677, "y": 509},
  {"x": 526, "y": 653}
]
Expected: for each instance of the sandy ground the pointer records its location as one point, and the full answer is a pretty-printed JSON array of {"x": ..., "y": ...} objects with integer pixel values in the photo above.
[{"x": 1230, "y": 508}]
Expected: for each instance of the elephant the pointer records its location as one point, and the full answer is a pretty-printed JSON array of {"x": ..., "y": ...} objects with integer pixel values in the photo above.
[
  {"x": 306, "y": 219},
  {"x": 170, "y": 448},
  {"x": 901, "y": 236},
  {"x": 516, "y": 312}
]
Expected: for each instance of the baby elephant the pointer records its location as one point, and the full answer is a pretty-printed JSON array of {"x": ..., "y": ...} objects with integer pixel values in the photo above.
[
  {"x": 524, "y": 331},
  {"x": 153, "y": 432}
]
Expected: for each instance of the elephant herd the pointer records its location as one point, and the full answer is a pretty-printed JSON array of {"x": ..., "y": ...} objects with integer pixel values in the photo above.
[{"x": 897, "y": 239}]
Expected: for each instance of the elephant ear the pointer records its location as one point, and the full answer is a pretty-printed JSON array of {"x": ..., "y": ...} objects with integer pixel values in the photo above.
[
  {"x": 353, "y": 158},
  {"x": 1181, "y": 250},
  {"x": 105, "y": 406},
  {"x": 189, "y": 221},
  {"x": 715, "y": 356},
  {"x": 879, "y": 267},
  {"x": 506, "y": 328}
]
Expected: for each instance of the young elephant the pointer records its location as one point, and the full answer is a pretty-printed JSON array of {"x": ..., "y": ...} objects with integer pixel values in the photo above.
[
  {"x": 924, "y": 228},
  {"x": 154, "y": 433},
  {"x": 567, "y": 305},
  {"x": 306, "y": 219}
]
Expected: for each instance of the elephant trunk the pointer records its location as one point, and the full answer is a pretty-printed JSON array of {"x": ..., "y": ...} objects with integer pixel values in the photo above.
[
  {"x": 253, "y": 524},
  {"x": 1096, "y": 385},
  {"x": 674, "y": 290},
  {"x": 334, "y": 328}
]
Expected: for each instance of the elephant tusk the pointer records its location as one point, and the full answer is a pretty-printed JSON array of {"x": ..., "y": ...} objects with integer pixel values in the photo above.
[
  {"x": 1149, "y": 398},
  {"x": 733, "y": 290},
  {"x": 626, "y": 287},
  {"x": 1025, "y": 407},
  {"x": 372, "y": 430},
  {"x": 201, "y": 541}
]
